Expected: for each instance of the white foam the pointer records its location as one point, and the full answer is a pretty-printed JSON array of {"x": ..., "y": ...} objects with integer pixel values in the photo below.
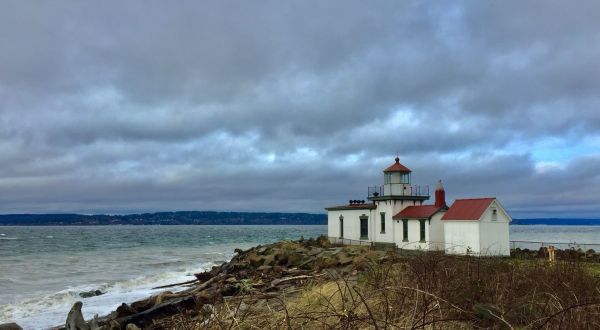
[{"x": 51, "y": 310}]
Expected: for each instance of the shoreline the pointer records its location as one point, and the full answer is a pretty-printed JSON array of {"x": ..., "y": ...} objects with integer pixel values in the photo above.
[
  {"x": 285, "y": 268},
  {"x": 258, "y": 270}
]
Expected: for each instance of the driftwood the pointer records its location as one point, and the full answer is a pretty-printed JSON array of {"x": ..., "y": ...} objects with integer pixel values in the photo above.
[
  {"x": 165, "y": 309},
  {"x": 293, "y": 278},
  {"x": 176, "y": 284},
  {"x": 206, "y": 284}
]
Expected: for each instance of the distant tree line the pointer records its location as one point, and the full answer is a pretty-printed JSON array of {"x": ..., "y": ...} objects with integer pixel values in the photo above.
[{"x": 165, "y": 218}]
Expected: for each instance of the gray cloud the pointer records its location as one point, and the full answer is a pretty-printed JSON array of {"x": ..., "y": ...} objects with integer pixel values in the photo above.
[{"x": 292, "y": 106}]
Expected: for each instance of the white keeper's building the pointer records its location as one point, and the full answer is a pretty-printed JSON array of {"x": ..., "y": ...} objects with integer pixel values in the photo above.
[{"x": 396, "y": 213}]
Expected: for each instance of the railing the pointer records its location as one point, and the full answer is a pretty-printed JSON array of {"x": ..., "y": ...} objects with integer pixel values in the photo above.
[
  {"x": 347, "y": 241},
  {"x": 419, "y": 190},
  {"x": 378, "y": 191},
  {"x": 375, "y": 191},
  {"x": 535, "y": 245}
]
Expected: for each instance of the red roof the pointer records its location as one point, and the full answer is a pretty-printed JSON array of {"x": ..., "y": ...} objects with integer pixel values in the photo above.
[
  {"x": 422, "y": 211},
  {"x": 468, "y": 209},
  {"x": 397, "y": 167}
]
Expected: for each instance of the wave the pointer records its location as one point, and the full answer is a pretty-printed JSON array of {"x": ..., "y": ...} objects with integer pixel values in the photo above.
[{"x": 45, "y": 311}]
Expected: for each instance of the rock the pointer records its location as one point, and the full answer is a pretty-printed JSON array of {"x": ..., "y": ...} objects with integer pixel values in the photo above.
[
  {"x": 10, "y": 326},
  {"x": 204, "y": 276},
  {"x": 230, "y": 290},
  {"x": 209, "y": 295},
  {"x": 264, "y": 268},
  {"x": 281, "y": 258},
  {"x": 231, "y": 279},
  {"x": 294, "y": 259},
  {"x": 132, "y": 326},
  {"x": 254, "y": 259},
  {"x": 269, "y": 260},
  {"x": 75, "y": 320},
  {"x": 125, "y": 310},
  {"x": 345, "y": 259},
  {"x": 91, "y": 293},
  {"x": 327, "y": 262}
]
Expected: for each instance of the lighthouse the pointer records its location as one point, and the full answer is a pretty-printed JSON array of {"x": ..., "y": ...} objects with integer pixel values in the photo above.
[{"x": 395, "y": 214}]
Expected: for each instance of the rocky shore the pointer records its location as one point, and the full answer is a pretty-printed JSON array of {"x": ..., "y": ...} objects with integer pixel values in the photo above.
[
  {"x": 314, "y": 284},
  {"x": 262, "y": 273}
]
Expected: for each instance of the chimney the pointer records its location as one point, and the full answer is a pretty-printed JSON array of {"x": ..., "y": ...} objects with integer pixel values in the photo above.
[{"x": 440, "y": 195}]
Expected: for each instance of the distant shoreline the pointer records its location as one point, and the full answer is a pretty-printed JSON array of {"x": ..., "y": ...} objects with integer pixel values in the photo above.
[
  {"x": 165, "y": 218},
  {"x": 217, "y": 218}
]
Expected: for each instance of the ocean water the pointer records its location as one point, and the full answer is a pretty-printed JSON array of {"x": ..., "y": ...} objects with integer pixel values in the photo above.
[{"x": 43, "y": 269}]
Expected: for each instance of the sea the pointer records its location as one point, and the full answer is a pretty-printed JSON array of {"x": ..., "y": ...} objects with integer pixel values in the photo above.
[{"x": 43, "y": 270}]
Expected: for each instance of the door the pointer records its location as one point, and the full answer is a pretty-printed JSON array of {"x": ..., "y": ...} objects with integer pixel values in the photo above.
[{"x": 364, "y": 227}]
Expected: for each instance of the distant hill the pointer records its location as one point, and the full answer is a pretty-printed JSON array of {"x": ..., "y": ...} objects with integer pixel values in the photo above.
[
  {"x": 216, "y": 218},
  {"x": 557, "y": 222},
  {"x": 165, "y": 218}
]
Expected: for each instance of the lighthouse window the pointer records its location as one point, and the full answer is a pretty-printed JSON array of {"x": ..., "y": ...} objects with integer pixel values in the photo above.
[
  {"x": 405, "y": 178},
  {"x": 387, "y": 178},
  {"x": 494, "y": 215},
  {"x": 382, "y": 222}
]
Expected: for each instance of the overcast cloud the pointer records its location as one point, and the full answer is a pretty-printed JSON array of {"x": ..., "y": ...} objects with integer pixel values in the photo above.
[{"x": 134, "y": 106}]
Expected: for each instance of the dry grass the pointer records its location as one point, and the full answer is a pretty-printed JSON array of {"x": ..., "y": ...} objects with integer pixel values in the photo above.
[{"x": 425, "y": 292}]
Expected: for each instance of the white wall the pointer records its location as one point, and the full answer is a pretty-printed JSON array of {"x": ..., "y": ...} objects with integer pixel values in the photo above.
[
  {"x": 436, "y": 232},
  {"x": 461, "y": 235},
  {"x": 414, "y": 235},
  {"x": 351, "y": 223},
  {"x": 494, "y": 234}
]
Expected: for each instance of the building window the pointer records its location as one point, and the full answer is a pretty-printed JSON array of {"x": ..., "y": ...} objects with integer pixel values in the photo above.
[
  {"x": 422, "y": 227},
  {"x": 494, "y": 215},
  {"x": 364, "y": 227},
  {"x": 341, "y": 226},
  {"x": 387, "y": 178},
  {"x": 382, "y": 222},
  {"x": 404, "y": 230}
]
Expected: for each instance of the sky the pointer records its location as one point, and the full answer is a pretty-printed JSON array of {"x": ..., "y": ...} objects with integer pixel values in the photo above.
[{"x": 142, "y": 106}]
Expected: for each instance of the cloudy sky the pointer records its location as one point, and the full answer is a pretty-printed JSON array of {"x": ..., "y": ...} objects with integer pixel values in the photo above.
[{"x": 296, "y": 105}]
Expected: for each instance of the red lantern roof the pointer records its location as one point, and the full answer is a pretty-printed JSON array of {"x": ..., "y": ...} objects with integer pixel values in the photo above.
[{"x": 397, "y": 167}]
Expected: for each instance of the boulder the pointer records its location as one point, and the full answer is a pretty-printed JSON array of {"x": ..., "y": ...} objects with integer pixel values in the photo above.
[
  {"x": 126, "y": 310},
  {"x": 91, "y": 293},
  {"x": 10, "y": 326},
  {"x": 295, "y": 259}
]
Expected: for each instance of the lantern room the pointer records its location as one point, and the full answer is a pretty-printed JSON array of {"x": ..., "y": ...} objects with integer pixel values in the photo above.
[{"x": 396, "y": 180}]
